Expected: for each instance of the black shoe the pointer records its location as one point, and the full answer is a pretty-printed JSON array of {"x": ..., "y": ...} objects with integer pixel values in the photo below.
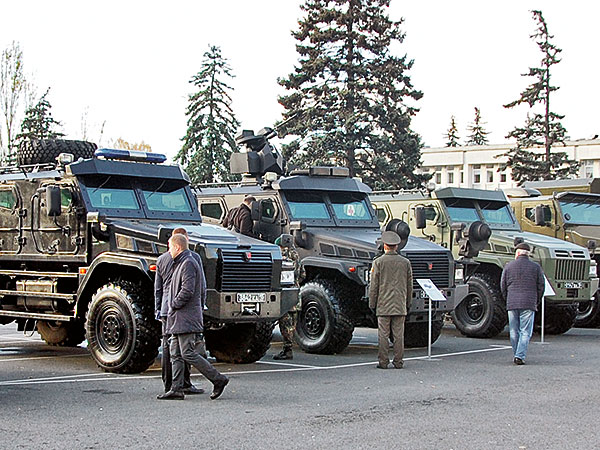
[
  {"x": 398, "y": 366},
  {"x": 379, "y": 366},
  {"x": 193, "y": 390},
  {"x": 218, "y": 388},
  {"x": 171, "y": 395},
  {"x": 519, "y": 361},
  {"x": 284, "y": 354}
]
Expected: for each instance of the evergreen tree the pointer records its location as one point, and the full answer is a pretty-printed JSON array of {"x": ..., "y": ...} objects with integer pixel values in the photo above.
[
  {"x": 452, "y": 134},
  {"x": 541, "y": 128},
  {"x": 350, "y": 99},
  {"x": 478, "y": 135},
  {"x": 38, "y": 122},
  {"x": 210, "y": 137}
]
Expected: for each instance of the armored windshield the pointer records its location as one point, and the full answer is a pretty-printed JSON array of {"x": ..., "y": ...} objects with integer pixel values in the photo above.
[
  {"x": 166, "y": 198},
  {"x": 307, "y": 205},
  {"x": 496, "y": 213},
  {"x": 350, "y": 206},
  {"x": 581, "y": 211},
  {"x": 462, "y": 210}
]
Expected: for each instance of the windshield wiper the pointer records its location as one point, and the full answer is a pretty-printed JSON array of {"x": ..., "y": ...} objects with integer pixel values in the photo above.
[
  {"x": 158, "y": 188},
  {"x": 102, "y": 185}
]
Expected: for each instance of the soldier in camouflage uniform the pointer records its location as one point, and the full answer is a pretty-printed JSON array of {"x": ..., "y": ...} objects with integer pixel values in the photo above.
[{"x": 287, "y": 323}]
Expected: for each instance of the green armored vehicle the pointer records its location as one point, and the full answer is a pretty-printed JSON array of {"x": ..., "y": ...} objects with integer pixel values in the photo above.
[
  {"x": 568, "y": 210},
  {"x": 336, "y": 232},
  {"x": 437, "y": 216},
  {"x": 78, "y": 246}
]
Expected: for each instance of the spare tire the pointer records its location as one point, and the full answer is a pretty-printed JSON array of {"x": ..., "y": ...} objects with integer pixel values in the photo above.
[{"x": 39, "y": 151}]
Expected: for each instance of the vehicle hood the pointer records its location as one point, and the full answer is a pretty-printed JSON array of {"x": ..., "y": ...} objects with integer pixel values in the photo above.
[{"x": 538, "y": 240}]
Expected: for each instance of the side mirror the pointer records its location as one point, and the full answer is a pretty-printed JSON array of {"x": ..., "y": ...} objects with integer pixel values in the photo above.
[
  {"x": 420, "y": 219},
  {"x": 539, "y": 216},
  {"x": 164, "y": 233},
  {"x": 255, "y": 211},
  {"x": 297, "y": 229},
  {"x": 474, "y": 239},
  {"x": 53, "y": 200}
]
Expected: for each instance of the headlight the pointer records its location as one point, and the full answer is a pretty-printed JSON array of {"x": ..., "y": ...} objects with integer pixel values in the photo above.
[
  {"x": 287, "y": 277},
  {"x": 593, "y": 270},
  {"x": 459, "y": 273}
]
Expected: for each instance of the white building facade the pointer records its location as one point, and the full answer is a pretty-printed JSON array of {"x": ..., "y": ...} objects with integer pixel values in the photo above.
[{"x": 478, "y": 166}]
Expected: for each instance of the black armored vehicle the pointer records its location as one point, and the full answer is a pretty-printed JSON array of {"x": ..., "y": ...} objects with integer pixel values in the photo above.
[
  {"x": 78, "y": 246},
  {"x": 336, "y": 234}
]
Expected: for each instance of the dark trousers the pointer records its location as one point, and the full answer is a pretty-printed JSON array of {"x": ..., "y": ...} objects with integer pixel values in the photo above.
[
  {"x": 395, "y": 324},
  {"x": 183, "y": 350},
  {"x": 167, "y": 371}
]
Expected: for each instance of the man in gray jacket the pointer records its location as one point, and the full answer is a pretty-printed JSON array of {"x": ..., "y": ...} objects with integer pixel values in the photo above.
[
  {"x": 522, "y": 286},
  {"x": 185, "y": 322},
  {"x": 390, "y": 294}
]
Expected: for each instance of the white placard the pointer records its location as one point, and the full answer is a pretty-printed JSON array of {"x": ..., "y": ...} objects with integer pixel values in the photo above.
[
  {"x": 548, "y": 290},
  {"x": 431, "y": 290}
]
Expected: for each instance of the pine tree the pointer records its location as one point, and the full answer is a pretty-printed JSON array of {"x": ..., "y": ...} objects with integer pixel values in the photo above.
[
  {"x": 478, "y": 135},
  {"x": 349, "y": 100},
  {"x": 541, "y": 128},
  {"x": 38, "y": 122},
  {"x": 210, "y": 137},
  {"x": 452, "y": 134}
]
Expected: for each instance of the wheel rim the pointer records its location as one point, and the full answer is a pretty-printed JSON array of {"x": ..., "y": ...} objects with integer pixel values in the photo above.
[
  {"x": 584, "y": 309},
  {"x": 111, "y": 330},
  {"x": 313, "y": 320},
  {"x": 474, "y": 308}
]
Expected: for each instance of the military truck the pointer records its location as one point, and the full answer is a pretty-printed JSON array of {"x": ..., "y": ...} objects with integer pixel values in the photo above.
[
  {"x": 440, "y": 215},
  {"x": 335, "y": 232},
  {"x": 78, "y": 246},
  {"x": 568, "y": 210}
]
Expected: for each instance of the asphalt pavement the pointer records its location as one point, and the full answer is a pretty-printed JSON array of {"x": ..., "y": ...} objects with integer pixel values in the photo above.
[{"x": 468, "y": 396}]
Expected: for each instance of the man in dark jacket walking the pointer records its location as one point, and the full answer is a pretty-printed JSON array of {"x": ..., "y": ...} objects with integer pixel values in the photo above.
[
  {"x": 390, "y": 294},
  {"x": 185, "y": 322},
  {"x": 162, "y": 283},
  {"x": 240, "y": 218},
  {"x": 522, "y": 286}
]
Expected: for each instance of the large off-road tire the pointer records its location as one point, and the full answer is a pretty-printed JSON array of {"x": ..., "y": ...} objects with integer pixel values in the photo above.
[
  {"x": 322, "y": 326},
  {"x": 38, "y": 151},
  {"x": 64, "y": 334},
  {"x": 557, "y": 320},
  {"x": 416, "y": 334},
  {"x": 482, "y": 314},
  {"x": 240, "y": 343},
  {"x": 588, "y": 313},
  {"x": 122, "y": 334}
]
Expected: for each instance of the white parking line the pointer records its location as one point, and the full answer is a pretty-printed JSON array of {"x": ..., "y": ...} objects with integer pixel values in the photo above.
[
  {"x": 287, "y": 364},
  {"x": 42, "y": 357},
  {"x": 112, "y": 377}
]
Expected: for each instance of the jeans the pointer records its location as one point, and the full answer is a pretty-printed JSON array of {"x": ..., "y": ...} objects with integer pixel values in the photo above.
[
  {"x": 520, "y": 324},
  {"x": 395, "y": 324}
]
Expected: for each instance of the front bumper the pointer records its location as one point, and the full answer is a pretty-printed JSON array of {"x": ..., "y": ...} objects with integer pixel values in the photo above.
[
  {"x": 419, "y": 307},
  {"x": 223, "y": 306},
  {"x": 566, "y": 295}
]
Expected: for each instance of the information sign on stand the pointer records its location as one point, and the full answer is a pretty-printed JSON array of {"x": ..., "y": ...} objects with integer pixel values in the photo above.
[
  {"x": 434, "y": 295},
  {"x": 548, "y": 290}
]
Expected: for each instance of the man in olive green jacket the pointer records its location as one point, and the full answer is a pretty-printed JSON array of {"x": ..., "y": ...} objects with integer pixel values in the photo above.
[{"x": 390, "y": 295}]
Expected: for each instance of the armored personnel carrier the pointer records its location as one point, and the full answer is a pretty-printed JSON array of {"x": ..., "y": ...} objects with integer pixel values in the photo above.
[
  {"x": 568, "y": 210},
  {"x": 80, "y": 231},
  {"x": 439, "y": 215},
  {"x": 336, "y": 235}
]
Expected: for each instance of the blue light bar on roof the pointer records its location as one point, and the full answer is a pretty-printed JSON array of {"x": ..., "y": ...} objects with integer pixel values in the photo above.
[{"x": 130, "y": 155}]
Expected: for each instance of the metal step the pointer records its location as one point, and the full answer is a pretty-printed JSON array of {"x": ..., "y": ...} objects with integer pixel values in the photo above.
[
  {"x": 37, "y": 316},
  {"x": 51, "y": 295},
  {"x": 29, "y": 273}
]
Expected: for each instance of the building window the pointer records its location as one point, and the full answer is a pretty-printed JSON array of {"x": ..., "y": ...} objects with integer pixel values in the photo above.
[
  {"x": 462, "y": 177},
  {"x": 476, "y": 178},
  {"x": 450, "y": 177},
  {"x": 490, "y": 176},
  {"x": 438, "y": 177},
  {"x": 503, "y": 177},
  {"x": 587, "y": 167}
]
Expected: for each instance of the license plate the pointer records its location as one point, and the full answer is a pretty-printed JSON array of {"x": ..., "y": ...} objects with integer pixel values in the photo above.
[
  {"x": 247, "y": 297},
  {"x": 574, "y": 285}
]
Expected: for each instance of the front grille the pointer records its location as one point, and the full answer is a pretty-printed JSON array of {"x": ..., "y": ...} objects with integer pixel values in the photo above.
[
  {"x": 241, "y": 274},
  {"x": 571, "y": 269},
  {"x": 439, "y": 272}
]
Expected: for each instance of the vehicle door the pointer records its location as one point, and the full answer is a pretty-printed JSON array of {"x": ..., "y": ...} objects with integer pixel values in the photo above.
[
  {"x": 212, "y": 210},
  {"x": 383, "y": 213},
  {"x": 271, "y": 219},
  {"x": 10, "y": 219},
  {"x": 550, "y": 227},
  {"x": 434, "y": 221}
]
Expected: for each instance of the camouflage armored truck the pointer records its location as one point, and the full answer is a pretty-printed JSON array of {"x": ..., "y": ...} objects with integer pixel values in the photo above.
[
  {"x": 568, "y": 210},
  {"x": 483, "y": 314},
  {"x": 78, "y": 246},
  {"x": 335, "y": 232}
]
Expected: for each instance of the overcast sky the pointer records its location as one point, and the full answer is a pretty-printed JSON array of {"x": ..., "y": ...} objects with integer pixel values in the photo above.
[{"x": 128, "y": 63}]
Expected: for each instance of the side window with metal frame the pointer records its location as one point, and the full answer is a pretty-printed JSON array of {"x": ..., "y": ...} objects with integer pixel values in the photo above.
[
  {"x": 7, "y": 199},
  {"x": 212, "y": 210},
  {"x": 530, "y": 214},
  {"x": 268, "y": 210},
  {"x": 66, "y": 197},
  {"x": 381, "y": 214}
]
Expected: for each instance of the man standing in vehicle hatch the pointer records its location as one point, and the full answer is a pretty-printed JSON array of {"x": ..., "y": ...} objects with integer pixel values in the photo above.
[
  {"x": 162, "y": 284},
  {"x": 240, "y": 219},
  {"x": 185, "y": 322},
  {"x": 390, "y": 294},
  {"x": 522, "y": 286}
]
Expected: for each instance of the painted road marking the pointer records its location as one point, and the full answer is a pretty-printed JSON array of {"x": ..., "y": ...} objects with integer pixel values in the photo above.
[{"x": 112, "y": 377}]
